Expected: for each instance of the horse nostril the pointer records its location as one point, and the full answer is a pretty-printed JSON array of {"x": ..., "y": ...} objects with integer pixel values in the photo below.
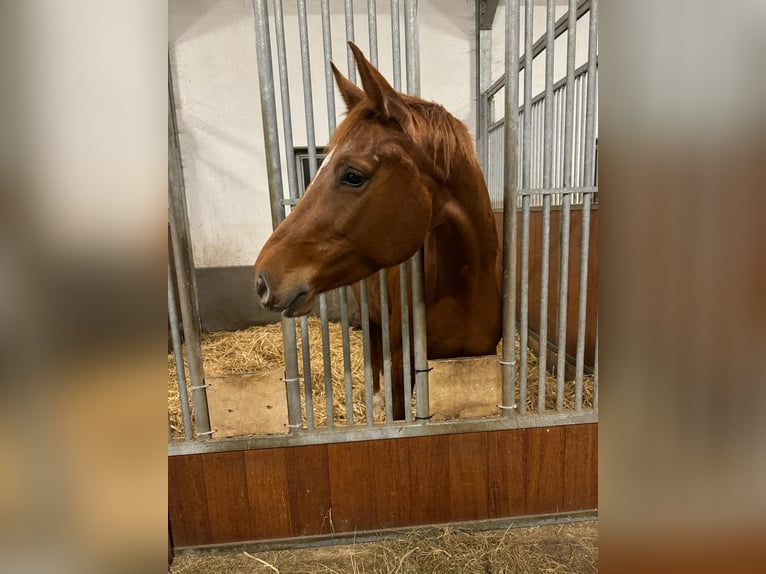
[{"x": 262, "y": 288}]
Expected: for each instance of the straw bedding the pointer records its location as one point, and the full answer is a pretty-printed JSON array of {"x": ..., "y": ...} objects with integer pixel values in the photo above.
[
  {"x": 554, "y": 549},
  {"x": 260, "y": 348}
]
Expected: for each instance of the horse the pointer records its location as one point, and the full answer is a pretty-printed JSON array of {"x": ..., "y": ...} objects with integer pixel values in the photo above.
[{"x": 400, "y": 173}]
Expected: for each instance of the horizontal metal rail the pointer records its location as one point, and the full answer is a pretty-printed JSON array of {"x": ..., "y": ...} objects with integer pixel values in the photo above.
[{"x": 383, "y": 431}]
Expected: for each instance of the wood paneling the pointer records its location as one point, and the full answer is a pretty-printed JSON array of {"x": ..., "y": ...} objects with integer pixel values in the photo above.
[
  {"x": 350, "y": 497},
  {"x": 345, "y": 487},
  {"x": 507, "y": 473},
  {"x": 269, "y": 497},
  {"x": 187, "y": 508},
  {"x": 573, "y": 276},
  {"x": 545, "y": 470},
  {"x": 309, "y": 487},
  {"x": 227, "y": 497}
]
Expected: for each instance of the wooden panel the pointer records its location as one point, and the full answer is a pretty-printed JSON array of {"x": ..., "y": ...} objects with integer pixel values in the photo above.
[
  {"x": 227, "y": 501},
  {"x": 390, "y": 470},
  {"x": 468, "y": 476},
  {"x": 266, "y": 474},
  {"x": 581, "y": 467},
  {"x": 186, "y": 501},
  {"x": 545, "y": 470},
  {"x": 507, "y": 472},
  {"x": 350, "y": 486},
  {"x": 429, "y": 480},
  {"x": 308, "y": 484}
]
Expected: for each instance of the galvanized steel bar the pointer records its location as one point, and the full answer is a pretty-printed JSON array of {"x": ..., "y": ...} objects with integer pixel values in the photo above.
[
  {"x": 178, "y": 357},
  {"x": 588, "y": 180},
  {"x": 183, "y": 259},
  {"x": 526, "y": 176},
  {"x": 366, "y": 351},
  {"x": 412, "y": 56},
  {"x": 348, "y": 7},
  {"x": 546, "y": 223},
  {"x": 386, "y": 344},
  {"x": 308, "y": 391},
  {"x": 396, "y": 44},
  {"x": 328, "y": 76},
  {"x": 284, "y": 90},
  {"x": 565, "y": 210},
  {"x": 510, "y": 185},
  {"x": 274, "y": 176},
  {"x": 595, "y": 373},
  {"x": 347, "y": 377},
  {"x": 326, "y": 359},
  {"x": 406, "y": 355},
  {"x": 308, "y": 97},
  {"x": 372, "y": 26}
]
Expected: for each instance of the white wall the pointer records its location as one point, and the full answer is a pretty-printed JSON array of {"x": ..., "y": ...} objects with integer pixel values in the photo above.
[{"x": 213, "y": 61}]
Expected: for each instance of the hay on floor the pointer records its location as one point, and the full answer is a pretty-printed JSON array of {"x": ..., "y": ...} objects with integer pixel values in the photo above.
[{"x": 260, "y": 348}]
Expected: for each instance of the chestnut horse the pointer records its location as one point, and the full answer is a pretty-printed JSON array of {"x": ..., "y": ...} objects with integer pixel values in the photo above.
[{"x": 400, "y": 173}]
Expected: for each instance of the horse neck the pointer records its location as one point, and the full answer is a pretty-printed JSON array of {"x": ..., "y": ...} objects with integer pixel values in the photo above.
[{"x": 463, "y": 220}]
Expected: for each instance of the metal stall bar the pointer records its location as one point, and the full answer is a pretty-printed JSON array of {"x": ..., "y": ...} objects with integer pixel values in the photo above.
[
  {"x": 510, "y": 186},
  {"x": 383, "y": 274},
  {"x": 412, "y": 56},
  {"x": 365, "y": 312},
  {"x": 274, "y": 171},
  {"x": 526, "y": 176},
  {"x": 183, "y": 259},
  {"x": 348, "y": 7},
  {"x": 308, "y": 102},
  {"x": 565, "y": 210},
  {"x": 403, "y": 273},
  {"x": 178, "y": 356},
  {"x": 588, "y": 180},
  {"x": 342, "y": 291},
  {"x": 546, "y": 224},
  {"x": 595, "y": 373}
]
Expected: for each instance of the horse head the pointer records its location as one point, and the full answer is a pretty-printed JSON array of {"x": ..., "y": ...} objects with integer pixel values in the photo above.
[{"x": 368, "y": 207}]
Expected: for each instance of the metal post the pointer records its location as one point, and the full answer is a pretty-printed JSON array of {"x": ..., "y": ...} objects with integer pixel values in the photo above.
[
  {"x": 348, "y": 7},
  {"x": 396, "y": 45},
  {"x": 526, "y": 173},
  {"x": 274, "y": 176},
  {"x": 178, "y": 356},
  {"x": 184, "y": 265},
  {"x": 510, "y": 189},
  {"x": 366, "y": 349},
  {"x": 412, "y": 56},
  {"x": 565, "y": 210},
  {"x": 588, "y": 180},
  {"x": 372, "y": 26},
  {"x": 547, "y": 184}
]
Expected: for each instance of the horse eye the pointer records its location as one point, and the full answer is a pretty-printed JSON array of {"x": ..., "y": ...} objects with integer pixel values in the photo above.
[{"x": 353, "y": 178}]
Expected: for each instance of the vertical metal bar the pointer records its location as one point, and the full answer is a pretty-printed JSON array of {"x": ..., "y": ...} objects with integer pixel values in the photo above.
[
  {"x": 287, "y": 123},
  {"x": 274, "y": 175},
  {"x": 412, "y": 55},
  {"x": 308, "y": 102},
  {"x": 565, "y": 210},
  {"x": 510, "y": 190},
  {"x": 396, "y": 45},
  {"x": 406, "y": 356},
  {"x": 588, "y": 177},
  {"x": 386, "y": 339},
  {"x": 308, "y": 391},
  {"x": 547, "y": 184},
  {"x": 526, "y": 171},
  {"x": 178, "y": 356},
  {"x": 349, "y": 15},
  {"x": 403, "y": 275},
  {"x": 343, "y": 291},
  {"x": 170, "y": 431},
  {"x": 184, "y": 274},
  {"x": 365, "y": 312},
  {"x": 595, "y": 373},
  {"x": 372, "y": 26},
  {"x": 326, "y": 360}
]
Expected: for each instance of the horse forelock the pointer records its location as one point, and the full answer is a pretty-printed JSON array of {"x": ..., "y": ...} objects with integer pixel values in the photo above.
[{"x": 443, "y": 139}]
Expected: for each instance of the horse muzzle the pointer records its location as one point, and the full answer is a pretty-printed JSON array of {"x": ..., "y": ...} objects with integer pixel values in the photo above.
[{"x": 292, "y": 302}]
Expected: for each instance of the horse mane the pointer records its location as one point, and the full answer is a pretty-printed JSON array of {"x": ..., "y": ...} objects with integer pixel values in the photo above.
[{"x": 443, "y": 139}]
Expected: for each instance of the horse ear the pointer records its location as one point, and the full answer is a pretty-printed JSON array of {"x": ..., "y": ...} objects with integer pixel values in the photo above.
[
  {"x": 349, "y": 91},
  {"x": 387, "y": 101}
]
